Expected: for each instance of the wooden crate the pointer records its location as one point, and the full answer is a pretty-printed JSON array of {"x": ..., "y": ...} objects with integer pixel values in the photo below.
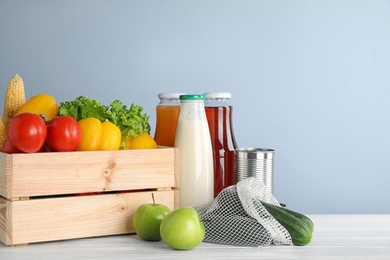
[{"x": 56, "y": 196}]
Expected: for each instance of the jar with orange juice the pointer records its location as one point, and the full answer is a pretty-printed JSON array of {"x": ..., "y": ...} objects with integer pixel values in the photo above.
[{"x": 167, "y": 115}]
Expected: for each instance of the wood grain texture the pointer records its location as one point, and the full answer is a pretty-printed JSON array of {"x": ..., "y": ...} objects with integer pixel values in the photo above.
[
  {"x": 5, "y": 221},
  {"x": 50, "y": 219},
  {"x": 5, "y": 167},
  {"x": 55, "y": 196},
  {"x": 74, "y": 172}
]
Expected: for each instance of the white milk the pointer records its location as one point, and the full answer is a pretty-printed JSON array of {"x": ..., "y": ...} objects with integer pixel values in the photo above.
[{"x": 196, "y": 157}]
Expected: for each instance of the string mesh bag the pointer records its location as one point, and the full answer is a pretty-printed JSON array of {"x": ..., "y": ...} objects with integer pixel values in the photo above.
[{"x": 237, "y": 217}]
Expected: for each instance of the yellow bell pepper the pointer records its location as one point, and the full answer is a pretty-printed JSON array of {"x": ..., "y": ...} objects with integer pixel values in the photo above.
[
  {"x": 40, "y": 104},
  {"x": 142, "y": 141},
  {"x": 110, "y": 138},
  {"x": 98, "y": 136}
]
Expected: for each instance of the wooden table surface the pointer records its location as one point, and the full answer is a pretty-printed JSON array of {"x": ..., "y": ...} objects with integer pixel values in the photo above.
[{"x": 335, "y": 237}]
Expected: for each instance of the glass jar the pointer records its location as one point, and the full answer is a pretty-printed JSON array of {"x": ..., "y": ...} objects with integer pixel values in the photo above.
[{"x": 167, "y": 115}]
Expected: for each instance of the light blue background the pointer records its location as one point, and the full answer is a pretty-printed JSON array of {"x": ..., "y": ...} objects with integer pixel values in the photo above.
[{"x": 308, "y": 78}]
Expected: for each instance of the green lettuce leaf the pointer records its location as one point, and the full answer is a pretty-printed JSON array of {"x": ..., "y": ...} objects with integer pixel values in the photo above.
[{"x": 131, "y": 121}]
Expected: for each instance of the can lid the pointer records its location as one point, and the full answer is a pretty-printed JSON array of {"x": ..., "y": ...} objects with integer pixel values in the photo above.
[
  {"x": 192, "y": 97},
  {"x": 218, "y": 95},
  {"x": 169, "y": 95},
  {"x": 254, "y": 153}
]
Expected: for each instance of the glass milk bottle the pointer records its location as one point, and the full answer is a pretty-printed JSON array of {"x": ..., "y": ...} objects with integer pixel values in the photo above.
[
  {"x": 219, "y": 117},
  {"x": 167, "y": 115},
  {"x": 196, "y": 183}
]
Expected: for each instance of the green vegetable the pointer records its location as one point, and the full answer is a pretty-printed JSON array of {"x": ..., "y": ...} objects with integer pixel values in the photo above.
[
  {"x": 298, "y": 225},
  {"x": 131, "y": 121}
]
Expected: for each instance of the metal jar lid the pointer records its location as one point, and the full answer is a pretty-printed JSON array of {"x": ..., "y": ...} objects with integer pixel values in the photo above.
[
  {"x": 218, "y": 95},
  {"x": 170, "y": 96}
]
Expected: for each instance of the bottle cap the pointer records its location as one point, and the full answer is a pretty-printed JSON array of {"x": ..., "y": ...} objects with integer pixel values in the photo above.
[
  {"x": 192, "y": 97},
  {"x": 218, "y": 95},
  {"x": 169, "y": 95}
]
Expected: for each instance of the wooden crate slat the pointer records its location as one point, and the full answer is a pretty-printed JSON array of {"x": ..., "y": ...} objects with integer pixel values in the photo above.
[
  {"x": 5, "y": 221},
  {"x": 78, "y": 216},
  {"x": 5, "y": 168},
  {"x": 74, "y": 172}
]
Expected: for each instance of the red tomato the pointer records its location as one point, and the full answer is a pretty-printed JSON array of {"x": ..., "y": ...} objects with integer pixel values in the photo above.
[
  {"x": 63, "y": 134},
  {"x": 8, "y": 147},
  {"x": 27, "y": 132}
]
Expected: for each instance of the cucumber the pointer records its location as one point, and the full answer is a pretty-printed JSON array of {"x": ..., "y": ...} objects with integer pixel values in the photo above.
[
  {"x": 298, "y": 225},
  {"x": 302, "y": 217}
]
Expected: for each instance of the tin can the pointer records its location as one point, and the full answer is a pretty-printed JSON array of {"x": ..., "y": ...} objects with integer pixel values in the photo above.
[{"x": 255, "y": 162}]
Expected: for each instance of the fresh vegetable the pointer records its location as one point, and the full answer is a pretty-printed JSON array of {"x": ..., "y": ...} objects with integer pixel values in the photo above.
[
  {"x": 41, "y": 104},
  {"x": 27, "y": 132},
  {"x": 300, "y": 216},
  {"x": 91, "y": 129},
  {"x": 63, "y": 134},
  {"x": 298, "y": 225},
  {"x": 14, "y": 98},
  {"x": 142, "y": 141},
  {"x": 98, "y": 136},
  {"x": 131, "y": 121},
  {"x": 110, "y": 138},
  {"x": 8, "y": 147},
  {"x": 3, "y": 133}
]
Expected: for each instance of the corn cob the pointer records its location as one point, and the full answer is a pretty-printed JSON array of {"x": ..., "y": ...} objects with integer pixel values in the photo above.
[
  {"x": 3, "y": 133},
  {"x": 14, "y": 98}
]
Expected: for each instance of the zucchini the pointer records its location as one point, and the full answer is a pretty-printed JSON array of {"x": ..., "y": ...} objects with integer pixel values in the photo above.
[{"x": 298, "y": 225}]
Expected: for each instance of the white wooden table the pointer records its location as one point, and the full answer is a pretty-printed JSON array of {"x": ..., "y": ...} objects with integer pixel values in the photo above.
[{"x": 335, "y": 237}]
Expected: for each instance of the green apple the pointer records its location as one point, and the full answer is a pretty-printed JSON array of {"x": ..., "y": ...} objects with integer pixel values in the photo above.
[
  {"x": 182, "y": 229},
  {"x": 147, "y": 220}
]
